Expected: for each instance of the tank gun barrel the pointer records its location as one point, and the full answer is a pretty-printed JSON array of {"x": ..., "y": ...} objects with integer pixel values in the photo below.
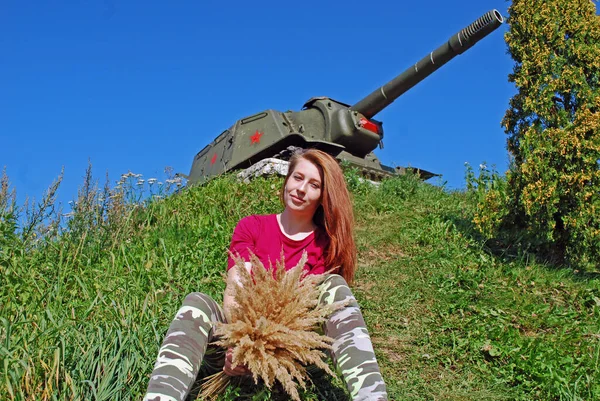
[{"x": 457, "y": 44}]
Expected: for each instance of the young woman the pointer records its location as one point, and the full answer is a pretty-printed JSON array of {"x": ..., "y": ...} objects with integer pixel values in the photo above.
[{"x": 317, "y": 217}]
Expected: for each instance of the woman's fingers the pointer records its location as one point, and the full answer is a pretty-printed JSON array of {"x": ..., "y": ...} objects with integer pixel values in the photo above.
[
  {"x": 230, "y": 370},
  {"x": 237, "y": 371}
]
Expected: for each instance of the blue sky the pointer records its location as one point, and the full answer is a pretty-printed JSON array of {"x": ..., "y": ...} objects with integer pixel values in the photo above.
[{"x": 141, "y": 85}]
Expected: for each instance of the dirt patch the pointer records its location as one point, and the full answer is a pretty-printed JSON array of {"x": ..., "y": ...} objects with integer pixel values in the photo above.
[
  {"x": 364, "y": 286},
  {"x": 377, "y": 257},
  {"x": 394, "y": 348},
  {"x": 393, "y": 356},
  {"x": 384, "y": 253}
]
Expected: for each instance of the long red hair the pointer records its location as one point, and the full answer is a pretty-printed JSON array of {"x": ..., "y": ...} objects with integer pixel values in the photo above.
[{"x": 334, "y": 215}]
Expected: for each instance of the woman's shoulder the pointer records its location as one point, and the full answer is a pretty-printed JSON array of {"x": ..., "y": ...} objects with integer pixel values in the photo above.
[{"x": 255, "y": 220}]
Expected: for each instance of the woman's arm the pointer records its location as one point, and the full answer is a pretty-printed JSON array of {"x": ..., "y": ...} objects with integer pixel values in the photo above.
[{"x": 233, "y": 279}]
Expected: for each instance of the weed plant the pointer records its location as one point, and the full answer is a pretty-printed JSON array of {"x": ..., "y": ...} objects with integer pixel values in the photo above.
[{"x": 86, "y": 296}]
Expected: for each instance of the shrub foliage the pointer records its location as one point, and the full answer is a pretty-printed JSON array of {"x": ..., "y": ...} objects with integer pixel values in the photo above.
[{"x": 553, "y": 127}]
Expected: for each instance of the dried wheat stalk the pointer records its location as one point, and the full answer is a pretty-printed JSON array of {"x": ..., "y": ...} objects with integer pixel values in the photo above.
[{"x": 272, "y": 327}]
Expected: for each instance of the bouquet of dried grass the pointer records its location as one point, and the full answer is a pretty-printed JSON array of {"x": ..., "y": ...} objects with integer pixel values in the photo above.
[{"x": 272, "y": 327}]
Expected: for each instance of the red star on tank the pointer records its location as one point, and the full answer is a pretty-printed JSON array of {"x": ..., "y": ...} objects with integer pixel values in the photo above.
[{"x": 256, "y": 137}]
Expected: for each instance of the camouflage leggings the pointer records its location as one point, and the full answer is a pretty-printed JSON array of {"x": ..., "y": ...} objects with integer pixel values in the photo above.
[{"x": 186, "y": 354}]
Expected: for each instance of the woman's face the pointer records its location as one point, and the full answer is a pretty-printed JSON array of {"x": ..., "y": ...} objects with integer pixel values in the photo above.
[{"x": 302, "y": 193}]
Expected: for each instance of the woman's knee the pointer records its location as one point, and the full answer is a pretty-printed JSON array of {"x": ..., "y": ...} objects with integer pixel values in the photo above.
[
  {"x": 334, "y": 280},
  {"x": 335, "y": 289},
  {"x": 194, "y": 298},
  {"x": 204, "y": 303}
]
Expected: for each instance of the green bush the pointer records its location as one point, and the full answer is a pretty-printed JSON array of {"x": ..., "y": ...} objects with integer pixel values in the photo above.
[
  {"x": 489, "y": 190},
  {"x": 552, "y": 191}
]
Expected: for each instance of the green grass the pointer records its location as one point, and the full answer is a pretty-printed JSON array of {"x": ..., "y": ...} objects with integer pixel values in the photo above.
[{"x": 84, "y": 310}]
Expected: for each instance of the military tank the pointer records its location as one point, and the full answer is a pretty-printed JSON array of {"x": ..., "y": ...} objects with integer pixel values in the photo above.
[{"x": 347, "y": 132}]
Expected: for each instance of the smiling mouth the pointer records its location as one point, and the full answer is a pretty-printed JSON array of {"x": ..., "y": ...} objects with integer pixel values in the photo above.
[{"x": 297, "y": 199}]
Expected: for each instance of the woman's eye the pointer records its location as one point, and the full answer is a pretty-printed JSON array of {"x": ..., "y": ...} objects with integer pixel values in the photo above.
[{"x": 315, "y": 186}]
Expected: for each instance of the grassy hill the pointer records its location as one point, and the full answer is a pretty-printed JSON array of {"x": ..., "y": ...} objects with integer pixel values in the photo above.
[{"x": 85, "y": 302}]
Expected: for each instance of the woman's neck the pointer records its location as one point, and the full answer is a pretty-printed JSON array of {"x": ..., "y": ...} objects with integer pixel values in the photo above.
[{"x": 295, "y": 226}]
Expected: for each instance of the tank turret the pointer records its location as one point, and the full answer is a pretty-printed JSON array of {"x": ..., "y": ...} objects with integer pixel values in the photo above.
[{"x": 347, "y": 132}]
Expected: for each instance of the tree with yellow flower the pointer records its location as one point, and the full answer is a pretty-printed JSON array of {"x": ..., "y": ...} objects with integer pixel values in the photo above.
[{"x": 553, "y": 128}]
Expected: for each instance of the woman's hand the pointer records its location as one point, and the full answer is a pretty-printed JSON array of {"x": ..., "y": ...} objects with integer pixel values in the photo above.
[{"x": 230, "y": 370}]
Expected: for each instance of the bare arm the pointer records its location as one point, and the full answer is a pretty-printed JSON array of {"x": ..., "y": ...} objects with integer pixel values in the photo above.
[{"x": 233, "y": 279}]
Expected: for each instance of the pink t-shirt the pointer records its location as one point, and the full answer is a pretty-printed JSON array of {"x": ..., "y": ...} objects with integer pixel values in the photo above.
[{"x": 262, "y": 235}]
